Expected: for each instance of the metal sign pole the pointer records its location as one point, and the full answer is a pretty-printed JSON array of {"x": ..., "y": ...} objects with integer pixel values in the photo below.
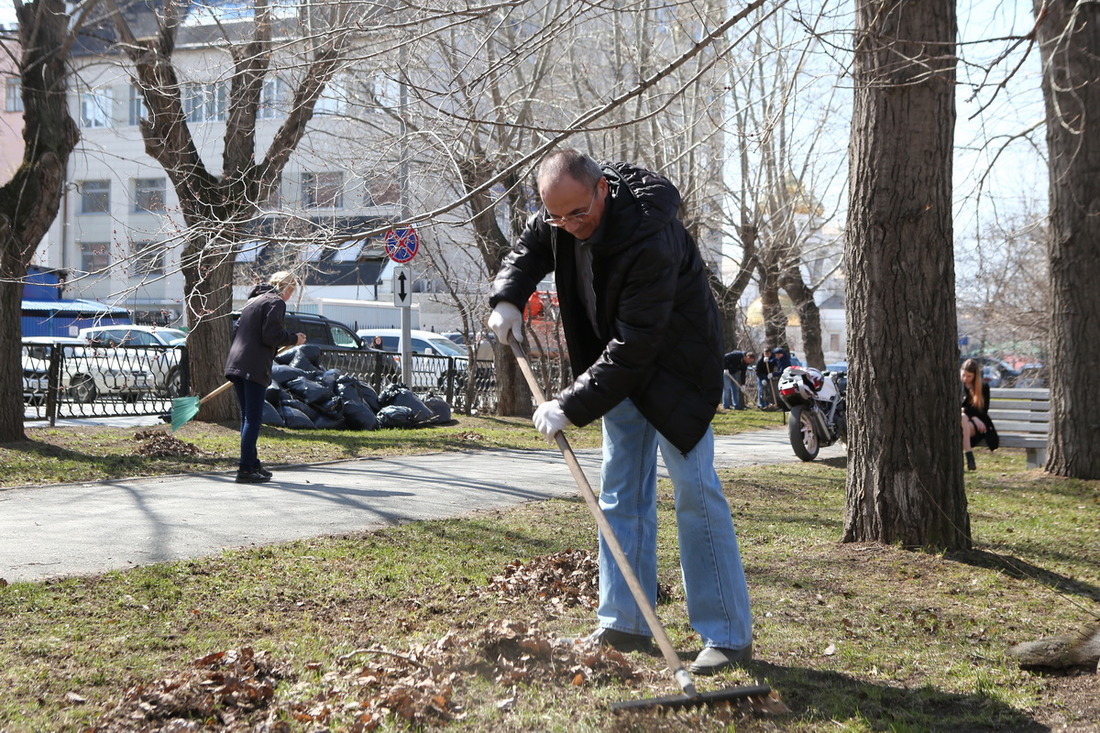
[
  {"x": 401, "y": 246},
  {"x": 402, "y": 297}
]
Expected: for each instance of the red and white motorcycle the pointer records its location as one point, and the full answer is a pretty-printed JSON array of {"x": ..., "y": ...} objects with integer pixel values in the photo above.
[{"x": 818, "y": 413}]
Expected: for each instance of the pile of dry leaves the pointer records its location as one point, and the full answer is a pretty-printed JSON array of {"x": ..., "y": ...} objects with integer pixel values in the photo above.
[
  {"x": 235, "y": 690},
  {"x": 159, "y": 444},
  {"x": 220, "y": 691},
  {"x": 563, "y": 579}
]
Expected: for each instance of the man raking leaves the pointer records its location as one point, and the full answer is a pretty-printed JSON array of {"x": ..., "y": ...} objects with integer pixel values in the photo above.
[{"x": 644, "y": 340}]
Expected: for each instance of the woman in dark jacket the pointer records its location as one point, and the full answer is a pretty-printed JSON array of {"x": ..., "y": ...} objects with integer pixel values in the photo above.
[
  {"x": 258, "y": 333},
  {"x": 975, "y": 409}
]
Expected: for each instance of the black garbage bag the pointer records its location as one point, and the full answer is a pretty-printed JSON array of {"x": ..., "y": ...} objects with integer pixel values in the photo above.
[
  {"x": 274, "y": 395},
  {"x": 441, "y": 411},
  {"x": 272, "y": 416},
  {"x": 329, "y": 422},
  {"x": 329, "y": 378},
  {"x": 396, "y": 416},
  {"x": 295, "y": 419},
  {"x": 347, "y": 389},
  {"x": 305, "y": 357},
  {"x": 358, "y": 416},
  {"x": 282, "y": 373},
  {"x": 309, "y": 391},
  {"x": 333, "y": 408},
  {"x": 370, "y": 397},
  {"x": 402, "y": 396}
]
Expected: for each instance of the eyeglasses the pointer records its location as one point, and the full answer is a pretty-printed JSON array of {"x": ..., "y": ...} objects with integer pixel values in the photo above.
[{"x": 575, "y": 218}]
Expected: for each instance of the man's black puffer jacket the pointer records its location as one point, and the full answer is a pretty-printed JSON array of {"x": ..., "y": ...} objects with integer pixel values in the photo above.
[{"x": 659, "y": 337}]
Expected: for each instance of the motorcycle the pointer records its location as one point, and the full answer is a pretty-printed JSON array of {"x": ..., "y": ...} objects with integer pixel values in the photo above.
[{"x": 818, "y": 413}]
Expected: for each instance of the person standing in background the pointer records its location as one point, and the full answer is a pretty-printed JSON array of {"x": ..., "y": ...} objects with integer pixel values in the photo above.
[
  {"x": 257, "y": 334},
  {"x": 763, "y": 385},
  {"x": 735, "y": 366}
]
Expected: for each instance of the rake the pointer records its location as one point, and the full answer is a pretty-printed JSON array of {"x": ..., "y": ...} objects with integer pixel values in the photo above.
[
  {"x": 185, "y": 408},
  {"x": 690, "y": 697}
]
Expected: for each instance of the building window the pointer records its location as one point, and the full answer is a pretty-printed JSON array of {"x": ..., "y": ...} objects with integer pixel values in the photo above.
[
  {"x": 272, "y": 99},
  {"x": 13, "y": 94},
  {"x": 834, "y": 342},
  {"x": 323, "y": 190},
  {"x": 95, "y": 257},
  {"x": 137, "y": 105},
  {"x": 95, "y": 197},
  {"x": 148, "y": 258},
  {"x": 333, "y": 99},
  {"x": 205, "y": 102},
  {"x": 148, "y": 194},
  {"x": 95, "y": 108},
  {"x": 380, "y": 191}
]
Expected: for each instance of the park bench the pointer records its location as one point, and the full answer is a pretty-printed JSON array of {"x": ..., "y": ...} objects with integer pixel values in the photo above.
[{"x": 1021, "y": 417}]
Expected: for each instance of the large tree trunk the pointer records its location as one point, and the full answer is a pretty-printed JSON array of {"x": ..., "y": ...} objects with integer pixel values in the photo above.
[
  {"x": 1069, "y": 38},
  {"x": 809, "y": 316},
  {"x": 30, "y": 200},
  {"x": 208, "y": 285},
  {"x": 905, "y": 482}
]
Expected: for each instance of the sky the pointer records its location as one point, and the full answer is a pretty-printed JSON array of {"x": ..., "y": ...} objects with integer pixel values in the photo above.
[{"x": 994, "y": 179}]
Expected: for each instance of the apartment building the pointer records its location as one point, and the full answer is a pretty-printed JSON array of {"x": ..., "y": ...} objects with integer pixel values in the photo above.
[{"x": 119, "y": 232}]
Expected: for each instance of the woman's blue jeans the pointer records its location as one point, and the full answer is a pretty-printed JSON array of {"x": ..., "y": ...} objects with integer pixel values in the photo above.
[
  {"x": 714, "y": 581},
  {"x": 250, "y": 396}
]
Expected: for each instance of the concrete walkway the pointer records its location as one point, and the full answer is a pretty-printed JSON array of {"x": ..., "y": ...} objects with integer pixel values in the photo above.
[{"x": 80, "y": 529}]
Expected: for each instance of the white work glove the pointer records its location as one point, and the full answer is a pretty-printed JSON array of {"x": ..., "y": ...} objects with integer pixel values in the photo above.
[
  {"x": 505, "y": 319},
  {"x": 549, "y": 419}
]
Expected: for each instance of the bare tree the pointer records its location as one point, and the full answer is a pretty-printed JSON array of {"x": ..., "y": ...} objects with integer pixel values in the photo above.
[
  {"x": 218, "y": 204},
  {"x": 1004, "y": 307},
  {"x": 1069, "y": 36},
  {"x": 784, "y": 93},
  {"x": 30, "y": 200},
  {"x": 905, "y": 482}
]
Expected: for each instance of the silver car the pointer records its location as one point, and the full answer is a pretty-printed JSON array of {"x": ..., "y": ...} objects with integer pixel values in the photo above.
[{"x": 88, "y": 373}]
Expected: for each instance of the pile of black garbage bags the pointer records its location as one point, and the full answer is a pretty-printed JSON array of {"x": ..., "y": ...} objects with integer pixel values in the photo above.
[{"x": 305, "y": 396}]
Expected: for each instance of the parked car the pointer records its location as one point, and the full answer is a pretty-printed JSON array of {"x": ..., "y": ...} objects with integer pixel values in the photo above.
[
  {"x": 36, "y": 380},
  {"x": 427, "y": 373},
  {"x": 88, "y": 372},
  {"x": 343, "y": 348},
  {"x": 152, "y": 347}
]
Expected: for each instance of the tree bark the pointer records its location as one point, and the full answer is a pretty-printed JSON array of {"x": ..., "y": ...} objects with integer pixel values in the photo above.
[
  {"x": 30, "y": 200},
  {"x": 1069, "y": 36},
  {"x": 809, "y": 316},
  {"x": 905, "y": 482}
]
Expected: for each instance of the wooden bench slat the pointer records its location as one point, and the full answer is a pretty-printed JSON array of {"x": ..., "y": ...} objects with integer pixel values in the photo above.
[
  {"x": 1021, "y": 415},
  {"x": 1007, "y": 393},
  {"x": 1026, "y": 428}
]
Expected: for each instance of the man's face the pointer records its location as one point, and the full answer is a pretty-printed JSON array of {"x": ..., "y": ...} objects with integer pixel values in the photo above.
[{"x": 574, "y": 206}]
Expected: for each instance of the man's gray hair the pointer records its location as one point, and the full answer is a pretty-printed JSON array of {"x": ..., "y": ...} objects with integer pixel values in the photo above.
[{"x": 569, "y": 162}]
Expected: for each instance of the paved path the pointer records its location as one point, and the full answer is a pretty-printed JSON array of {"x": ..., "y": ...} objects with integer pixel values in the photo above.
[{"x": 79, "y": 529}]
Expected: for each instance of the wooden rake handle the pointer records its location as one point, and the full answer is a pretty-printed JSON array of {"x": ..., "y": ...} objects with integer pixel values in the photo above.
[
  {"x": 683, "y": 677},
  {"x": 226, "y": 385}
]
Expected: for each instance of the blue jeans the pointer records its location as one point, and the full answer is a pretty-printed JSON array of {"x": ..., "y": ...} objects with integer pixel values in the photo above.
[
  {"x": 714, "y": 581},
  {"x": 731, "y": 395},
  {"x": 764, "y": 392},
  {"x": 250, "y": 396}
]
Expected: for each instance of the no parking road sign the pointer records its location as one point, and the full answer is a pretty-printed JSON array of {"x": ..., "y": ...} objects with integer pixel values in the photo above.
[{"x": 402, "y": 244}]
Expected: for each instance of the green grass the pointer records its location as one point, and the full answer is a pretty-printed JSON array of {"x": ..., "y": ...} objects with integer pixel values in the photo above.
[{"x": 852, "y": 637}]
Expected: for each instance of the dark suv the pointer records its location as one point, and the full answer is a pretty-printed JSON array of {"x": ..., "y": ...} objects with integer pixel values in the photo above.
[
  {"x": 323, "y": 332},
  {"x": 341, "y": 348}
]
